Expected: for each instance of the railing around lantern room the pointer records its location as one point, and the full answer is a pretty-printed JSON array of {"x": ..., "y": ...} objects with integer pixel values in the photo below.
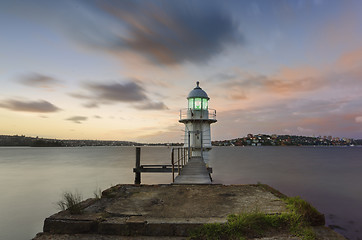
[{"x": 211, "y": 113}]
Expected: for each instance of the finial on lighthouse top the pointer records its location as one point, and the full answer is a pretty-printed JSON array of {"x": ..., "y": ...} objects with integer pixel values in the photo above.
[{"x": 197, "y": 92}]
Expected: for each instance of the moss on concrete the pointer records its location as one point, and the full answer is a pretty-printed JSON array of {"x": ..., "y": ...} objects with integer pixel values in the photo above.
[{"x": 296, "y": 222}]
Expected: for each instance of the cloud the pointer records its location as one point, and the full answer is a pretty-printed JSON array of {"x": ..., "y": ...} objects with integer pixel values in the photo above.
[
  {"x": 351, "y": 59},
  {"x": 344, "y": 74},
  {"x": 358, "y": 119},
  {"x": 348, "y": 68},
  {"x": 333, "y": 124},
  {"x": 152, "y": 106},
  {"x": 289, "y": 81},
  {"x": 39, "y": 81},
  {"x": 129, "y": 91},
  {"x": 305, "y": 130},
  {"x": 238, "y": 96},
  {"x": 118, "y": 92},
  {"x": 79, "y": 96},
  {"x": 77, "y": 119},
  {"x": 173, "y": 33},
  {"x": 40, "y": 106},
  {"x": 242, "y": 85},
  {"x": 316, "y": 107},
  {"x": 166, "y": 32},
  {"x": 91, "y": 105},
  {"x": 292, "y": 86},
  {"x": 222, "y": 77}
]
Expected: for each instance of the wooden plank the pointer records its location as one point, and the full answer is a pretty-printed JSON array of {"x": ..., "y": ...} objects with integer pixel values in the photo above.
[
  {"x": 156, "y": 165},
  {"x": 137, "y": 179},
  {"x": 194, "y": 172},
  {"x": 153, "y": 170}
]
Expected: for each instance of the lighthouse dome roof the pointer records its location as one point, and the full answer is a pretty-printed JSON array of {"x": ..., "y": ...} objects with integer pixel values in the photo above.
[{"x": 197, "y": 92}]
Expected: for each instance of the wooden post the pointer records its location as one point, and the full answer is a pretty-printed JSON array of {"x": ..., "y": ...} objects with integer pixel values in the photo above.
[
  {"x": 173, "y": 166},
  {"x": 185, "y": 156},
  {"x": 182, "y": 157},
  {"x": 137, "y": 179},
  {"x": 178, "y": 160},
  {"x": 189, "y": 147}
]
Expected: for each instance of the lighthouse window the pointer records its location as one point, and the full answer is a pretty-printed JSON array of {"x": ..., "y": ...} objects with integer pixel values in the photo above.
[
  {"x": 204, "y": 103},
  {"x": 197, "y": 103},
  {"x": 191, "y": 103}
]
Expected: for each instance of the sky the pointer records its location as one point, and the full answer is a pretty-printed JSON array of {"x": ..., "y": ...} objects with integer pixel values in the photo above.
[{"x": 122, "y": 70}]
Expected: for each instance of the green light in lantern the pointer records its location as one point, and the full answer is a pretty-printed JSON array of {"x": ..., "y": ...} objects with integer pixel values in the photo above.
[
  {"x": 198, "y": 103},
  {"x": 204, "y": 103}
]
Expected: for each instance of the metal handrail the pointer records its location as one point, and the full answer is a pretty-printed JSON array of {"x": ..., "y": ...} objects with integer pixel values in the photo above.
[
  {"x": 211, "y": 113},
  {"x": 182, "y": 159}
]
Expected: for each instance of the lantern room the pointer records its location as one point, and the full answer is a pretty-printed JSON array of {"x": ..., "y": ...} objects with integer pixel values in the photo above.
[{"x": 198, "y": 99}]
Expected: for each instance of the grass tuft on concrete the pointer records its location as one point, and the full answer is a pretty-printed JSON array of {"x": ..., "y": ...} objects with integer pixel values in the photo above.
[
  {"x": 71, "y": 201},
  {"x": 304, "y": 209},
  {"x": 97, "y": 193}
]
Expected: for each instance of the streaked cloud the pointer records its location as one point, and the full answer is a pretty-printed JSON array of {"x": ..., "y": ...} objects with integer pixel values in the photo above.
[
  {"x": 286, "y": 83},
  {"x": 291, "y": 86},
  {"x": 40, "y": 106},
  {"x": 348, "y": 69},
  {"x": 152, "y": 106},
  {"x": 37, "y": 80},
  {"x": 163, "y": 32},
  {"x": 79, "y": 95},
  {"x": 77, "y": 119},
  {"x": 292, "y": 82},
  {"x": 171, "y": 32},
  {"x": 126, "y": 91},
  {"x": 91, "y": 105},
  {"x": 129, "y": 91},
  {"x": 311, "y": 107},
  {"x": 358, "y": 119},
  {"x": 305, "y": 131},
  {"x": 238, "y": 96},
  {"x": 338, "y": 123}
]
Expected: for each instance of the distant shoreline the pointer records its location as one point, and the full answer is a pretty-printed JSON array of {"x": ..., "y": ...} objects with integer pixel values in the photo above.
[{"x": 250, "y": 140}]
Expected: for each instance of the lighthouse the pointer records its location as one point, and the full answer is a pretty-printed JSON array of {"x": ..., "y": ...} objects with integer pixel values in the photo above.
[{"x": 197, "y": 118}]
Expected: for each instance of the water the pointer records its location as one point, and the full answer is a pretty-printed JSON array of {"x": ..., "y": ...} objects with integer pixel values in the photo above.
[{"x": 33, "y": 179}]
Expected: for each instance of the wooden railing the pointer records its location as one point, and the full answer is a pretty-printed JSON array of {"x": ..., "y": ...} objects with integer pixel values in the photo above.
[
  {"x": 179, "y": 157},
  {"x": 178, "y": 161}
]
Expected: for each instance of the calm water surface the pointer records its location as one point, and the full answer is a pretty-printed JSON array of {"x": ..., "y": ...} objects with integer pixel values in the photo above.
[{"x": 33, "y": 179}]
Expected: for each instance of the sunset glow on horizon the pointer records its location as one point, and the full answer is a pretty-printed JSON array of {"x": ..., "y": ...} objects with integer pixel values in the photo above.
[{"x": 122, "y": 70}]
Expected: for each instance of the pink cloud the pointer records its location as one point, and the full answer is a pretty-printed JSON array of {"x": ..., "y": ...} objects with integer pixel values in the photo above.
[{"x": 358, "y": 119}]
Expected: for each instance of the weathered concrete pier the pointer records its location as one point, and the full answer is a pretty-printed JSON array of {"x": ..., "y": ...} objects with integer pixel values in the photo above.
[{"x": 167, "y": 211}]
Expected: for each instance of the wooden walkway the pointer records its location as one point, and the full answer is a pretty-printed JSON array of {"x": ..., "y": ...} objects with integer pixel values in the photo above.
[{"x": 194, "y": 172}]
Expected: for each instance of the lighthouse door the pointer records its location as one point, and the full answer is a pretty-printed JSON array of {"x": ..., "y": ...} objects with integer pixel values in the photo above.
[{"x": 197, "y": 138}]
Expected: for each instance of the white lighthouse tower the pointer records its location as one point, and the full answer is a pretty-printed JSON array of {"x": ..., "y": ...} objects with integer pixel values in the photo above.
[{"x": 197, "y": 119}]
